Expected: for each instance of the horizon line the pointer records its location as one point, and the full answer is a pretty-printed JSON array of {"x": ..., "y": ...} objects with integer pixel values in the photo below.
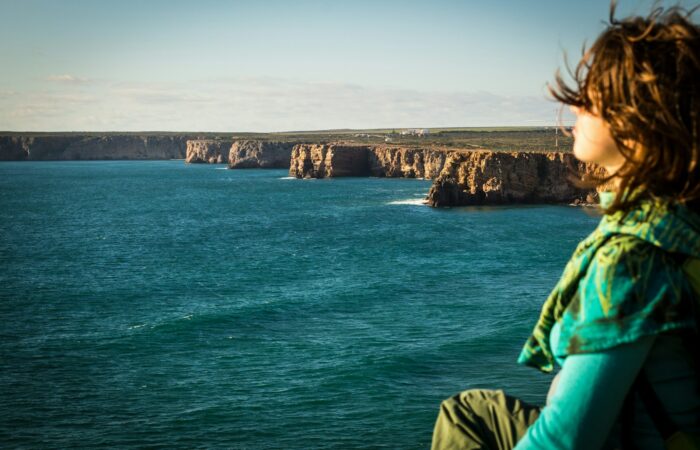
[{"x": 298, "y": 131}]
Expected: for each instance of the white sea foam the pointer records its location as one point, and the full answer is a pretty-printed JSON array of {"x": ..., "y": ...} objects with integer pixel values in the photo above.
[
  {"x": 410, "y": 201},
  {"x": 220, "y": 168},
  {"x": 288, "y": 178}
]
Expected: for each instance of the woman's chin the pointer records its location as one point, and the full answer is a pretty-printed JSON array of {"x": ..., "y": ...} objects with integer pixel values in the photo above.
[{"x": 581, "y": 155}]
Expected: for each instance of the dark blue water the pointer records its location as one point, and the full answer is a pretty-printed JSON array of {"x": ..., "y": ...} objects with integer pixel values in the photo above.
[{"x": 169, "y": 305}]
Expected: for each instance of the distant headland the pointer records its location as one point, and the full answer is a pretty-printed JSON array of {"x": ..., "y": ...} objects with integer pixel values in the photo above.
[{"x": 468, "y": 166}]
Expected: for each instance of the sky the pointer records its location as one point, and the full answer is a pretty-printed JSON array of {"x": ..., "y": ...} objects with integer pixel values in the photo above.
[{"x": 227, "y": 66}]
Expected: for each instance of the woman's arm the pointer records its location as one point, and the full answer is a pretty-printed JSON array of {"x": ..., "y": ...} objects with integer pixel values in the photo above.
[{"x": 588, "y": 398}]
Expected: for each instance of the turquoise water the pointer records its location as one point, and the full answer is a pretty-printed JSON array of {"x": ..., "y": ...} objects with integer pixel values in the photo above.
[{"x": 169, "y": 305}]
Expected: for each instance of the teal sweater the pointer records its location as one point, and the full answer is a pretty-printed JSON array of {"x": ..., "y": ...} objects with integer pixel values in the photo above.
[{"x": 579, "y": 414}]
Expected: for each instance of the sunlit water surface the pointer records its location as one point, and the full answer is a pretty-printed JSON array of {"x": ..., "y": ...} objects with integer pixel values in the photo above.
[{"x": 170, "y": 305}]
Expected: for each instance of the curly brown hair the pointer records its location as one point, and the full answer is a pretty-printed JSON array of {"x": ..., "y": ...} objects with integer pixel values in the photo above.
[{"x": 642, "y": 77}]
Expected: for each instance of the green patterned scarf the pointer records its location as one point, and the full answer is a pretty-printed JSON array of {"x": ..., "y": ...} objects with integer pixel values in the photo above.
[{"x": 624, "y": 281}]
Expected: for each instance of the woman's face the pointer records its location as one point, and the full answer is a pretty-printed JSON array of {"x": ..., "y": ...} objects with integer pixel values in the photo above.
[{"x": 593, "y": 142}]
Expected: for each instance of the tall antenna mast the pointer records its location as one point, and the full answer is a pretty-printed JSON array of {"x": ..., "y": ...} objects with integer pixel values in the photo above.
[{"x": 556, "y": 129}]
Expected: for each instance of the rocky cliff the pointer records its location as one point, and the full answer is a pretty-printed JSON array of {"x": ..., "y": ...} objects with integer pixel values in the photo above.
[
  {"x": 485, "y": 177},
  {"x": 264, "y": 154},
  {"x": 19, "y": 147},
  {"x": 348, "y": 160},
  {"x": 329, "y": 160},
  {"x": 192, "y": 147},
  {"x": 211, "y": 151},
  {"x": 406, "y": 162},
  {"x": 462, "y": 177}
]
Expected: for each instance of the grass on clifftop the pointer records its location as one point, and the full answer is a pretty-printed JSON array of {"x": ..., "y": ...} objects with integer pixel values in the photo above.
[{"x": 491, "y": 138}]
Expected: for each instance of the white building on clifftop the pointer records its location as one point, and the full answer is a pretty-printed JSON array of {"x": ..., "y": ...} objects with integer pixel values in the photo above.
[{"x": 415, "y": 132}]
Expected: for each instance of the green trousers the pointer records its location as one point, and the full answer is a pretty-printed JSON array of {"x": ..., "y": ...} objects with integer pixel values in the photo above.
[{"x": 482, "y": 419}]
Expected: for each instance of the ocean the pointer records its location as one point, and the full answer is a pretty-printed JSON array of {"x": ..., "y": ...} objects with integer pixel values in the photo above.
[{"x": 164, "y": 305}]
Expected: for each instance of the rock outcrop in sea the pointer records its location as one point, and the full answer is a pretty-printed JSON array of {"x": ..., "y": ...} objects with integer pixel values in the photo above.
[{"x": 462, "y": 177}]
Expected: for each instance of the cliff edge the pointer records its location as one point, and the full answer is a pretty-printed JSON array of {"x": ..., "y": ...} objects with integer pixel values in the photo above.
[{"x": 462, "y": 177}]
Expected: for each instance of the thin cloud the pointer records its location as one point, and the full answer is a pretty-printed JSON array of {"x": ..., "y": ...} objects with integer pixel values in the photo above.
[
  {"x": 262, "y": 104},
  {"x": 66, "y": 78}
]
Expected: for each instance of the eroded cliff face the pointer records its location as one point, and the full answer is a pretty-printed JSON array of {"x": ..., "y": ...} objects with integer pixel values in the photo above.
[
  {"x": 208, "y": 151},
  {"x": 492, "y": 178},
  {"x": 263, "y": 154},
  {"x": 353, "y": 160},
  {"x": 462, "y": 177},
  {"x": 329, "y": 160},
  {"x": 92, "y": 147},
  {"x": 388, "y": 161}
]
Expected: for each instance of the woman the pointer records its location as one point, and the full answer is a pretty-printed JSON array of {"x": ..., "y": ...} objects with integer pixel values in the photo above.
[{"x": 622, "y": 322}]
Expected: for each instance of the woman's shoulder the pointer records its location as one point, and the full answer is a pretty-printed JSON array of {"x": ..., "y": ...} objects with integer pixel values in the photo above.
[
  {"x": 630, "y": 289},
  {"x": 629, "y": 257},
  {"x": 627, "y": 274}
]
